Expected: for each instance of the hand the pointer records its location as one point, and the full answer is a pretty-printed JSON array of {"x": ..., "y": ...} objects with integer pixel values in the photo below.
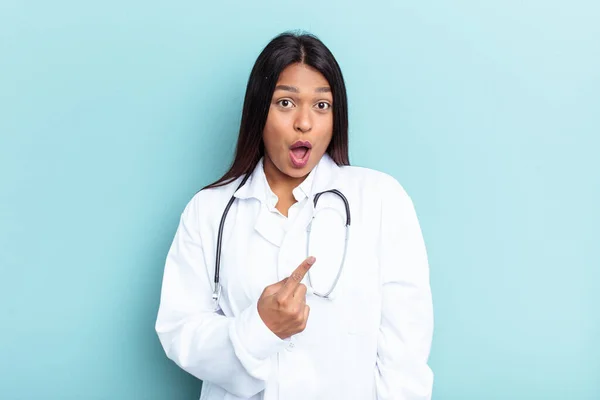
[{"x": 282, "y": 306}]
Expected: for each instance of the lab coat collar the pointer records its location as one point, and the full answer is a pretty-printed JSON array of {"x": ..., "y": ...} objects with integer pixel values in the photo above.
[
  {"x": 323, "y": 177},
  {"x": 268, "y": 224},
  {"x": 305, "y": 188},
  {"x": 326, "y": 176},
  {"x": 255, "y": 186}
]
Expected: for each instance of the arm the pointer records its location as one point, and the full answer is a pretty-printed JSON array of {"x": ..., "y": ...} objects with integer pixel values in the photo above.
[
  {"x": 406, "y": 328},
  {"x": 230, "y": 352}
]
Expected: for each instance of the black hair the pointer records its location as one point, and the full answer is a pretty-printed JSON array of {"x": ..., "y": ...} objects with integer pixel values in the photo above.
[{"x": 285, "y": 49}]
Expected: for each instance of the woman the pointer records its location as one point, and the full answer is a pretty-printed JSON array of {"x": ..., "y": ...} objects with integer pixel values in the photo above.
[{"x": 349, "y": 320}]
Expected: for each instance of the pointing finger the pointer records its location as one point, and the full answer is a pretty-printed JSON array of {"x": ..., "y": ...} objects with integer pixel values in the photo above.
[{"x": 296, "y": 277}]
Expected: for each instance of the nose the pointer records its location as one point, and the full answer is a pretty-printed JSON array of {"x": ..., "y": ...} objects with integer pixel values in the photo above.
[{"x": 303, "y": 121}]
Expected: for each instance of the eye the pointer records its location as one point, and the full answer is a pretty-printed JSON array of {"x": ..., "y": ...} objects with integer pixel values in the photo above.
[
  {"x": 285, "y": 103},
  {"x": 323, "y": 106}
]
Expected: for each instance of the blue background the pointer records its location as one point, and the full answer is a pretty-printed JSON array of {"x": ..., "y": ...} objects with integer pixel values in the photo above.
[{"x": 113, "y": 114}]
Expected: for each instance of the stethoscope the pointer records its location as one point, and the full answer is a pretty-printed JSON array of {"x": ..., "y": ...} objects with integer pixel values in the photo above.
[{"x": 217, "y": 290}]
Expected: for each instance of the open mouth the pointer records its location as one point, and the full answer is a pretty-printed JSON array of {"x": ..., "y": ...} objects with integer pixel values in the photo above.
[{"x": 300, "y": 153}]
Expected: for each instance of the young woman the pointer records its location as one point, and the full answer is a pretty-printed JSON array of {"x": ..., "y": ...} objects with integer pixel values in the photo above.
[{"x": 295, "y": 275}]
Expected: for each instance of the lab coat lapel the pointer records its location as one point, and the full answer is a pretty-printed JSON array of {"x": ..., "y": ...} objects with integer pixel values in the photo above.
[
  {"x": 269, "y": 227},
  {"x": 266, "y": 223}
]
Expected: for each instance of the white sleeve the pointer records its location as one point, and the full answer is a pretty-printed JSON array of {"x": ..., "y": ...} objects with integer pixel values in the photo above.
[
  {"x": 230, "y": 352},
  {"x": 406, "y": 328}
]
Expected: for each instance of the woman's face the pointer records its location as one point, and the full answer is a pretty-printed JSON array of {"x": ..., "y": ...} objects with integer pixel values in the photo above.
[{"x": 300, "y": 121}]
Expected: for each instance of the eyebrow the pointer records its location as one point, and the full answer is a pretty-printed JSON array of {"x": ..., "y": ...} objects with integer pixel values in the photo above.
[{"x": 293, "y": 89}]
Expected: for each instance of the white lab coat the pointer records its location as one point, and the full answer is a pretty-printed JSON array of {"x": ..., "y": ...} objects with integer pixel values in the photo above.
[{"x": 371, "y": 340}]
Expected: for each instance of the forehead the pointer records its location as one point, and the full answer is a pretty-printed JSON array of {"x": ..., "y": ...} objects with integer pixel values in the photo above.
[{"x": 302, "y": 76}]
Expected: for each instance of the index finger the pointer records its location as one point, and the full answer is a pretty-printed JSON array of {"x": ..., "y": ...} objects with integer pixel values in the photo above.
[{"x": 296, "y": 277}]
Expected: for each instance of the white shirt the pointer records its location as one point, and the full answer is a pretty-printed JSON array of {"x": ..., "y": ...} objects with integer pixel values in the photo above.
[{"x": 371, "y": 340}]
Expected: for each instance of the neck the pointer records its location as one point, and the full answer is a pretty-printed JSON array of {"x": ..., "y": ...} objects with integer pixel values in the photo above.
[{"x": 281, "y": 184}]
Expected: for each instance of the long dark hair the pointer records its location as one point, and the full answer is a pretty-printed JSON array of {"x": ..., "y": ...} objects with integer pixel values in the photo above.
[{"x": 285, "y": 49}]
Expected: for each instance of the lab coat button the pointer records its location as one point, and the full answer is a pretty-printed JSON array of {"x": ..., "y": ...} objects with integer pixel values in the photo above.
[{"x": 290, "y": 346}]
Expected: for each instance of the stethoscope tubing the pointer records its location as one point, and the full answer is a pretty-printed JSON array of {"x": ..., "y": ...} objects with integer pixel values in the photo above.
[{"x": 217, "y": 288}]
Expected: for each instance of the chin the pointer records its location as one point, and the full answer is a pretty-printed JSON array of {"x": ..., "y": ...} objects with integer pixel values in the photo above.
[{"x": 298, "y": 173}]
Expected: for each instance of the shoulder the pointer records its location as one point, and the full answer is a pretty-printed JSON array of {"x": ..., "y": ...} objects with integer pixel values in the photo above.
[{"x": 211, "y": 201}]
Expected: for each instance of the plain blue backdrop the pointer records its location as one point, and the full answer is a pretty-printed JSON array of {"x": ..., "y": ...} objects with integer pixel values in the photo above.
[{"x": 114, "y": 113}]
